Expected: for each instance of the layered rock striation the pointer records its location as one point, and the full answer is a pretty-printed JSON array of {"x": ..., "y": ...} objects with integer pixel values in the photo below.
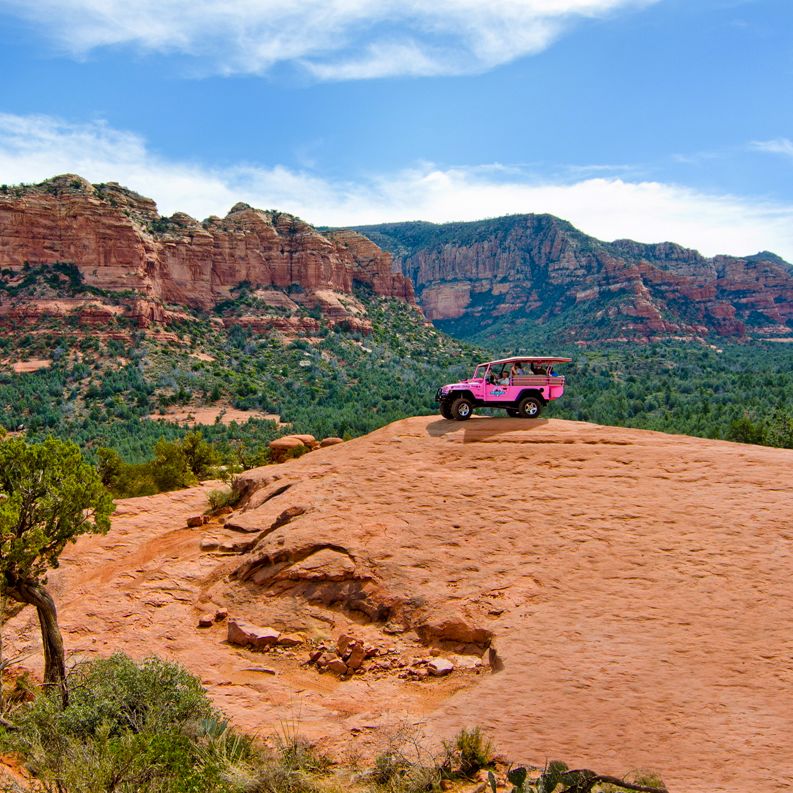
[
  {"x": 121, "y": 244},
  {"x": 541, "y": 268}
]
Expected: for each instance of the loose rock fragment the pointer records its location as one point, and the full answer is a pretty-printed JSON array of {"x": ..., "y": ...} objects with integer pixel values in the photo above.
[
  {"x": 290, "y": 639},
  {"x": 343, "y": 644},
  {"x": 246, "y": 634},
  {"x": 356, "y": 657},
  {"x": 337, "y": 666},
  {"x": 439, "y": 667}
]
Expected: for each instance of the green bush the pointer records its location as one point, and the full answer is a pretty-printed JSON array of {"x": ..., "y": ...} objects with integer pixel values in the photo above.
[
  {"x": 470, "y": 750},
  {"x": 176, "y": 464},
  {"x": 130, "y": 727},
  {"x": 227, "y": 497}
]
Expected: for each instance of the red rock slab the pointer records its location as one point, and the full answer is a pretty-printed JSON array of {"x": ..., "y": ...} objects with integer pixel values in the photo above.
[{"x": 635, "y": 585}]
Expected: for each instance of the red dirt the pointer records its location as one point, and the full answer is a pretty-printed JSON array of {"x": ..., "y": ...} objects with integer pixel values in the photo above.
[
  {"x": 33, "y": 365},
  {"x": 211, "y": 414},
  {"x": 637, "y": 586}
]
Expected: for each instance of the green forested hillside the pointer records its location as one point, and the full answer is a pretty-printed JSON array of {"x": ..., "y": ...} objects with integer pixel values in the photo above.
[
  {"x": 99, "y": 391},
  {"x": 738, "y": 392}
]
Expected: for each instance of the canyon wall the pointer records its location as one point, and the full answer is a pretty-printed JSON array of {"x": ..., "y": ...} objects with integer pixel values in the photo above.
[
  {"x": 542, "y": 268},
  {"x": 120, "y": 243}
]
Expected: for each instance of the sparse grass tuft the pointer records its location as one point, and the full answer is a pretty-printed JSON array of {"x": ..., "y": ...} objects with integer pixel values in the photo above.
[
  {"x": 224, "y": 497},
  {"x": 469, "y": 751}
]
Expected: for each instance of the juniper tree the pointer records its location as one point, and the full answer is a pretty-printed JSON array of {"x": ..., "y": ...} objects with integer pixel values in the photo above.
[{"x": 49, "y": 496}]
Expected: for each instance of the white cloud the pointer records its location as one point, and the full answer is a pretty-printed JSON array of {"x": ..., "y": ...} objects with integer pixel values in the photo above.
[
  {"x": 332, "y": 39},
  {"x": 782, "y": 146},
  {"x": 33, "y": 148}
]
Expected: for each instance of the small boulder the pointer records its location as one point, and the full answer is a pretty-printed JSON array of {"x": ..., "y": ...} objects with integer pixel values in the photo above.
[
  {"x": 325, "y": 657},
  {"x": 337, "y": 666},
  {"x": 206, "y": 620},
  {"x": 356, "y": 657},
  {"x": 282, "y": 448},
  {"x": 330, "y": 442},
  {"x": 343, "y": 644},
  {"x": 394, "y": 628},
  {"x": 307, "y": 440},
  {"x": 290, "y": 639},
  {"x": 196, "y": 521},
  {"x": 221, "y": 614},
  {"x": 247, "y": 635},
  {"x": 440, "y": 667},
  {"x": 236, "y": 546}
]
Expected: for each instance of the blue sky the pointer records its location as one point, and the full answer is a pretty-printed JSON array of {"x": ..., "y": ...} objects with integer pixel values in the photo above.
[{"x": 651, "y": 119}]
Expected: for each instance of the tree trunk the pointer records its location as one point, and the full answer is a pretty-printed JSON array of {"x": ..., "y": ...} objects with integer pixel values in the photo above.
[{"x": 54, "y": 663}]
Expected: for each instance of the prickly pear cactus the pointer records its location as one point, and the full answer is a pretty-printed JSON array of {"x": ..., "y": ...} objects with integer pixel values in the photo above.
[{"x": 517, "y": 777}]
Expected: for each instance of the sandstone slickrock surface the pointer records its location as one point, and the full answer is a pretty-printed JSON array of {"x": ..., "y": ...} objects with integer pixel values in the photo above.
[
  {"x": 120, "y": 243},
  {"x": 541, "y": 266},
  {"x": 616, "y": 598}
]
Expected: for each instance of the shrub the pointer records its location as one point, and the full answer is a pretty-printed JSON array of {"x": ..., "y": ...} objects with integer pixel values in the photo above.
[
  {"x": 201, "y": 456},
  {"x": 226, "y": 497},
  {"x": 170, "y": 468},
  {"x": 471, "y": 750},
  {"x": 406, "y": 766},
  {"x": 128, "y": 727},
  {"x": 293, "y": 767},
  {"x": 744, "y": 430}
]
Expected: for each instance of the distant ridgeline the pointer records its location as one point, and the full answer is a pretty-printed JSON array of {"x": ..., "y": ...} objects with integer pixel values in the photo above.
[{"x": 537, "y": 277}]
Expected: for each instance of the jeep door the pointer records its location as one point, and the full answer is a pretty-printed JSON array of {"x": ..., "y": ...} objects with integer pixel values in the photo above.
[{"x": 495, "y": 390}]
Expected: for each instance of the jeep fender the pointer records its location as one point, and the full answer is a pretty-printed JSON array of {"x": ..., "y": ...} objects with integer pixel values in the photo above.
[
  {"x": 531, "y": 392},
  {"x": 452, "y": 395}
]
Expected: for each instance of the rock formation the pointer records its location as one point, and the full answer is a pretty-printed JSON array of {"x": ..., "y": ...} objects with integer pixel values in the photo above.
[
  {"x": 120, "y": 244},
  {"x": 475, "y": 275},
  {"x": 606, "y": 596}
]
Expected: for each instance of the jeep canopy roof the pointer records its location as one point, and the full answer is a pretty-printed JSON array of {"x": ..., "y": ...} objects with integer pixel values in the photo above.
[{"x": 528, "y": 358}]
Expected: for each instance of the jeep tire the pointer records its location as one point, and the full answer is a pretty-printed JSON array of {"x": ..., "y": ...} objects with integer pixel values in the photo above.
[
  {"x": 446, "y": 410},
  {"x": 512, "y": 413},
  {"x": 529, "y": 407},
  {"x": 461, "y": 409}
]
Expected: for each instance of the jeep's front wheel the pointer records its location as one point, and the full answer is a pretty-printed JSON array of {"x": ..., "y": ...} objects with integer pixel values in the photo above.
[
  {"x": 512, "y": 413},
  {"x": 529, "y": 408},
  {"x": 461, "y": 409},
  {"x": 446, "y": 410}
]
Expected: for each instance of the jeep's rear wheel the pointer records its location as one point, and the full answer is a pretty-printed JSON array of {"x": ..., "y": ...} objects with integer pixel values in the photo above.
[
  {"x": 446, "y": 410},
  {"x": 530, "y": 407},
  {"x": 461, "y": 409},
  {"x": 513, "y": 413}
]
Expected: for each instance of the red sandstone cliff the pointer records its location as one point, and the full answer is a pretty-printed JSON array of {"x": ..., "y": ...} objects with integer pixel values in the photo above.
[
  {"x": 120, "y": 243},
  {"x": 541, "y": 268}
]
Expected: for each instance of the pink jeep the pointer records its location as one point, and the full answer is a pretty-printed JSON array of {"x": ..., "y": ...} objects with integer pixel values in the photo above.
[{"x": 523, "y": 385}]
